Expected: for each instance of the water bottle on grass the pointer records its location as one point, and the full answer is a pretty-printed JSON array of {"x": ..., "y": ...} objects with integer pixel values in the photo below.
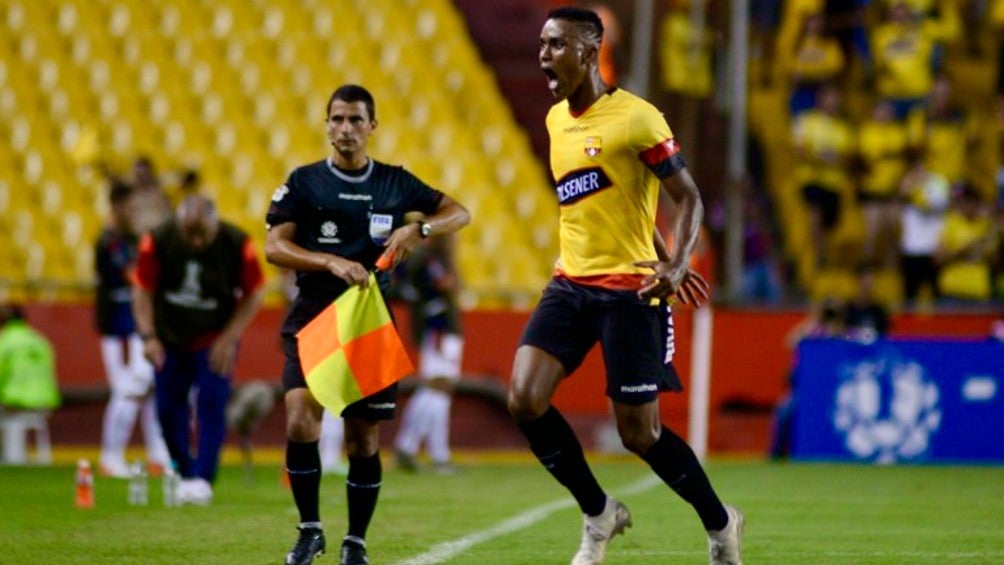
[
  {"x": 138, "y": 487},
  {"x": 170, "y": 486}
]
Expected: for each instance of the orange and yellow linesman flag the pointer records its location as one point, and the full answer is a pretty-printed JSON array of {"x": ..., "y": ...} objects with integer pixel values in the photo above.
[{"x": 351, "y": 349}]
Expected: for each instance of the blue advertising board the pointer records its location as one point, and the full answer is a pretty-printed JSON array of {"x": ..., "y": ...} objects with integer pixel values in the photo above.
[{"x": 899, "y": 401}]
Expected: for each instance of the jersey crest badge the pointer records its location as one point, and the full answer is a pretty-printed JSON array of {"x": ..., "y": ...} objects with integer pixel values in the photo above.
[
  {"x": 593, "y": 145},
  {"x": 380, "y": 227}
]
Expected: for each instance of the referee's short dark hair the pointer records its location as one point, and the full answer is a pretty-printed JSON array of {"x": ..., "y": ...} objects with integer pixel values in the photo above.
[{"x": 353, "y": 93}]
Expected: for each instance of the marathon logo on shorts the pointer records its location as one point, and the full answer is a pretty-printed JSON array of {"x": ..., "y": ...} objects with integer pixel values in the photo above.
[
  {"x": 649, "y": 387},
  {"x": 581, "y": 183}
]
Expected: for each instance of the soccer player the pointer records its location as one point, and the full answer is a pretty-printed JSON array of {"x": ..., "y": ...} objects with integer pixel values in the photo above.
[
  {"x": 610, "y": 154},
  {"x": 330, "y": 222},
  {"x": 433, "y": 283},
  {"x": 130, "y": 375}
]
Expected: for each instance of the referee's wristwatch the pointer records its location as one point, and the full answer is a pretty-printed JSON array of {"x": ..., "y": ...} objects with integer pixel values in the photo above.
[{"x": 424, "y": 229}]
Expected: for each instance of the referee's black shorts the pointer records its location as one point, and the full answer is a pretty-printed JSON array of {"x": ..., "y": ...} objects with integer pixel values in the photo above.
[
  {"x": 379, "y": 406},
  {"x": 636, "y": 337}
]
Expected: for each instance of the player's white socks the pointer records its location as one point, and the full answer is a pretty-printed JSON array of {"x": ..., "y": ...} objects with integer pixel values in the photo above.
[
  {"x": 119, "y": 419},
  {"x": 426, "y": 418},
  {"x": 438, "y": 442},
  {"x": 156, "y": 447}
]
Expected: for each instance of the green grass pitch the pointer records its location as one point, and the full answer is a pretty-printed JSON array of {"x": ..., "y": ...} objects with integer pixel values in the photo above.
[{"x": 497, "y": 512}]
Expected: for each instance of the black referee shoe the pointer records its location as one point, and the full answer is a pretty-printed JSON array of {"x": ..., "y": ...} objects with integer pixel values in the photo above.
[
  {"x": 354, "y": 553},
  {"x": 309, "y": 545}
]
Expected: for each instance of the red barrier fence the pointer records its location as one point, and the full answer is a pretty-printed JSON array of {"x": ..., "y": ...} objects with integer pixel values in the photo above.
[{"x": 749, "y": 359}]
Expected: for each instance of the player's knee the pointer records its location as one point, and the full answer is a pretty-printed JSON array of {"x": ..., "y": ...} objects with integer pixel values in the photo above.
[
  {"x": 637, "y": 439},
  {"x": 524, "y": 405}
]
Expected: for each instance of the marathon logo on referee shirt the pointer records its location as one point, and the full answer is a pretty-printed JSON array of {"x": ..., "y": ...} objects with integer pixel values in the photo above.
[{"x": 581, "y": 183}]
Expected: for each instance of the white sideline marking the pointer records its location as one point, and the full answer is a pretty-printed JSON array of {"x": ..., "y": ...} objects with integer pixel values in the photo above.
[{"x": 447, "y": 550}]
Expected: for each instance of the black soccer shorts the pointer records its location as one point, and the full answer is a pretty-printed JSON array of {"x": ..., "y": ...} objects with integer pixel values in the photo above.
[
  {"x": 636, "y": 337},
  {"x": 379, "y": 406}
]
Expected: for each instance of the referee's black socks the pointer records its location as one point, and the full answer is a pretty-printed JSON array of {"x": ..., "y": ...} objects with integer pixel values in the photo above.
[
  {"x": 362, "y": 487},
  {"x": 303, "y": 463}
]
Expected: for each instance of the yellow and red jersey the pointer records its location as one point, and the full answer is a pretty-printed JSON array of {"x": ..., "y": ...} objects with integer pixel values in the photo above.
[{"x": 607, "y": 164}]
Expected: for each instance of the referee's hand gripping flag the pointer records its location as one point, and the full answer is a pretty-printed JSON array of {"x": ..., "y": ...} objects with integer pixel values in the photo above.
[{"x": 351, "y": 350}]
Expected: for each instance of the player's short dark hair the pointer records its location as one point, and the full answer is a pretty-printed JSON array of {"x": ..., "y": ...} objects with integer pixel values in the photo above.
[
  {"x": 120, "y": 191},
  {"x": 353, "y": 93},
  {"x": 583, "y": 16}
]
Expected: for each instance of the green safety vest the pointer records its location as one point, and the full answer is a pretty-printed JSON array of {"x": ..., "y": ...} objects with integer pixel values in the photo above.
[{"x": 27, "y": 368}]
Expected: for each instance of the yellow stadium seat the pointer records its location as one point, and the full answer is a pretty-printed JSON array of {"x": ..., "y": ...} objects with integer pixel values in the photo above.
[{"x": 237, "y": 89}]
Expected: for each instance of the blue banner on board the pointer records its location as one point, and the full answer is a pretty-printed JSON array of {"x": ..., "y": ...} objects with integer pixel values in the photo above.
[{"x": 899, "y": 401}]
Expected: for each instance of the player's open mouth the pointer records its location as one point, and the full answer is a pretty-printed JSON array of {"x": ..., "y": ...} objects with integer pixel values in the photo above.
[{"x": 552, "y": 78}]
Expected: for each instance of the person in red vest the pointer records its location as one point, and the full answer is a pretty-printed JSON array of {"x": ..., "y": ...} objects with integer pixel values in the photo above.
[{"x": 198, "y": 285}]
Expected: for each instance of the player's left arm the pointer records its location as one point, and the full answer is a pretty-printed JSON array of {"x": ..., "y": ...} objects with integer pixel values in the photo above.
[
  {"x": 673, "y": 275},
  {"x": 695, "y": 289}
]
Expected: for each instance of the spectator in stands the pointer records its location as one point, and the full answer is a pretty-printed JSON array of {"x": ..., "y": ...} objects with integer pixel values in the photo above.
[
  {"x": 27, "y": 364},
  {"x": 903, "y": 50},
  {"x": 130, "y": 375},
  {"x": 925, "y": 197},
  {"x": 999, "y": 192},
  {"x": 761, "y": 276},
  {"x": 199, "y": 285},
  {"x": 815, "y": 60},
  {"x": 883, "y": 145},
  {"x": 794, "y": 14},
  {"x": 996, "y": 17},
  {"x": 866, "y": 318},
  {"x": 824, "y": 320},
  {"x": 687, "y": 74},
  {"x": 824, "y": 144},
  {"x": 765, "y": 19},
  {"x": 685, "y": 53},
  {"x": 153, "y": 204},
  {"x": 968, "y": 242},
  {"x": 945, "y": 134},
  {"x": 998, "y": 262},
  {"x": 435, "y": 321},
  {"x": 999, "y": 155}
]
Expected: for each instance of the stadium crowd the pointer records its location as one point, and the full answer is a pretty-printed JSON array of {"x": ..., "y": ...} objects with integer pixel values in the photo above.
[{"x": 894, "y": 140}]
